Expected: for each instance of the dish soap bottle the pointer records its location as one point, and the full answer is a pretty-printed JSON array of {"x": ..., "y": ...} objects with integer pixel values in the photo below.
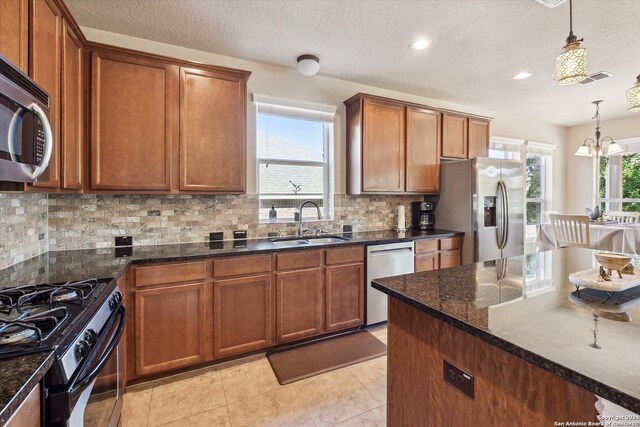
[
  {"x": 296, "y": 215},
  {"x": 273, "y": 214}
]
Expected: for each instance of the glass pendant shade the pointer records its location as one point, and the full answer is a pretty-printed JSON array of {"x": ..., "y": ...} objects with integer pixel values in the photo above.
[
  {"x": 583, "y": 151},
  {"x": 614, "y": 149},
  {"x": 633, "y": 97},
  {"x": 571, "y": 65}
]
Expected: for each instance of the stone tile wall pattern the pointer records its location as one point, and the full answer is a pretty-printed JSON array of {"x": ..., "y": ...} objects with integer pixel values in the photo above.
[
  {"x": 23, "y": 227},
  {"x": 93, "y": 221}
]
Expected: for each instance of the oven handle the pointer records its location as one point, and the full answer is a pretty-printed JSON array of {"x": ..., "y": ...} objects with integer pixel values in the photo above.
[{"x": 75, "y": 388}]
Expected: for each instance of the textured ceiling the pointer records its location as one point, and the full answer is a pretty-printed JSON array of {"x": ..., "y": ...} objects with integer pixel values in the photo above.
[{"x": 477, "y": 44}]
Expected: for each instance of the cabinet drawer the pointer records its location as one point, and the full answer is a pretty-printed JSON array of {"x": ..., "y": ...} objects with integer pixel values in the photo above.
[
  {"x": 451, "y": 244},
  {"x": 348, "y": 255},
  {"x": 426, "y": 246},
  {"x": 298, "y": 260},
  {"x": 449, "y": 259},
  {"x": 169, "y": 273},
  {"x": 241, "y": 266}
]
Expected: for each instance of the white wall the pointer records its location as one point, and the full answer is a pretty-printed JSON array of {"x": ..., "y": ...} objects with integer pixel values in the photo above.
[
  {"x": 580, "y": 171},
  {"x": 288, "y": 83}
]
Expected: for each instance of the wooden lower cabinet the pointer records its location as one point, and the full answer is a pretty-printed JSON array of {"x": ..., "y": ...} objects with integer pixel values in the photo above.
[
  {"x": 449, "y": 258},
  {"x": 243, "y": 314},
  {"x": 344, "y": 296},
  {"x": 427, "y": 262},
  {"x": 300, "y": 298},
  {"x": 29, "y": 412},
  {"x": 169, "y": 328}
]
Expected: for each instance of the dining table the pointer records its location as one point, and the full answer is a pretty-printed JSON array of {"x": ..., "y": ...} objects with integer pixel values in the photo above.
[{"x": 623, "y": 238}]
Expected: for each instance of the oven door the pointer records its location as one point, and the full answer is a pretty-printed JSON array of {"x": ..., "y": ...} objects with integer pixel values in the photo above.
[{"x": 94, "y": 395}]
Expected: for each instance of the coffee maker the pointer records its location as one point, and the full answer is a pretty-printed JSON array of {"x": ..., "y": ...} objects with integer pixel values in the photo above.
[{"x": 423, "y": 216}]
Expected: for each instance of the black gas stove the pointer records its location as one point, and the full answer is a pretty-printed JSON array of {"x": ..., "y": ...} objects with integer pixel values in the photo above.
[
  {"x": 41, "y": 317},
  {"x": 82, "y": 323}
]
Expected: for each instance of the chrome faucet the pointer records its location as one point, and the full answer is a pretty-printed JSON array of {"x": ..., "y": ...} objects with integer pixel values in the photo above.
[{"x": 308, "y": 202}]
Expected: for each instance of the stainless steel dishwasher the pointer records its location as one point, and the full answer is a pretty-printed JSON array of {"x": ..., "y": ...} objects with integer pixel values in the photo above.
[{"x": 385, "y": 261}]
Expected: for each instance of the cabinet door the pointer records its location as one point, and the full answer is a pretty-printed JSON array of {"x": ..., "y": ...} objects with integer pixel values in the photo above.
[
  {"x": 300, "y": 304},
  {"x": 423, "y": 145},
  {"x": 454, "y": 136},
  {"x": 72, "y": 110},
  {"x": 426, "y": 262},
  {"x": 344, "y": 296},
  {"x": 28, "y": 414},
  {"x": 130, "y": 123},
  {"x": 478, "y": 138},
  {"x": 449, "y": 259},
  {"x": 169, "y": 328},
  {"x": 243, "y": 312},
  {"x": 212, "y": 131},
  {"x": 383, "y": 147},
  {"x": 46, "y": 40},
  {"x": 14, "y": 32}
]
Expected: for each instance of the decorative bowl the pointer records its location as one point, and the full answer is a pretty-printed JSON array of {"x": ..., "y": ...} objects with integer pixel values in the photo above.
[{"x": 612, "y": 261}]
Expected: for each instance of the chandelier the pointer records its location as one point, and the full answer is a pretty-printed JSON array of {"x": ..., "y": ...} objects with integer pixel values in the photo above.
[
  {"x": 571, "y": 65},
  {"x": 596, "y": 148}
]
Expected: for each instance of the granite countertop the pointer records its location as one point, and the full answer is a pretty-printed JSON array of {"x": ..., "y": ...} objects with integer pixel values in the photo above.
[
  {"x": 61, "y": 266},
  {"x": 530, "y": 309},
  {"x": 19, "y": 376}
]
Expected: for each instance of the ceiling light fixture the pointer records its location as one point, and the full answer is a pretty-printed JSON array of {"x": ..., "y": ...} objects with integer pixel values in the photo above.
[
  {"x": 522, "y": 75},
  {"x": 420, "y": 44},
  {"x": 595, "y": 148},
  {"x": 571, "y": 65},
  {"x": 308, "y": 65},
  {"x": 633, "y": 96}
]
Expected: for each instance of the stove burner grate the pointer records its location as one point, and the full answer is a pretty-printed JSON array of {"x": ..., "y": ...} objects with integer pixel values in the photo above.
[
  {"x": 23, "y": 296},
  {"x": 30, "y": 327}
]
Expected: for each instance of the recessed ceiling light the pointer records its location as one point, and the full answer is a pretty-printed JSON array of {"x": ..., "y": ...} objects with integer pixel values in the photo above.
[
  {"x": 523, "y": 75},
  {"x": 420, "y": 44}
]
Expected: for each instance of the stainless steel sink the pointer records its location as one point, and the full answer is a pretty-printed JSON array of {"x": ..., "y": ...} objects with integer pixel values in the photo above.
[{"x": 308, "y": 240}]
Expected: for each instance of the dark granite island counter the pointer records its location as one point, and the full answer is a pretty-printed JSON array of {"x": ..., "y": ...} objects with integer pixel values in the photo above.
[{"x": 517, "y": 326}]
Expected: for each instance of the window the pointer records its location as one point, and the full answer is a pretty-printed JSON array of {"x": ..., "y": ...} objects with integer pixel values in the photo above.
[
  {"x": 538, "y": 174},
  {"x": 538, "y": 185},
  {"x": 619, "y": 181},
  {"x": 293, "y": 159}
]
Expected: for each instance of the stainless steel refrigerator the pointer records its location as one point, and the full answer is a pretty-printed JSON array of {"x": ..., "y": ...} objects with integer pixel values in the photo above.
[{"x": 484, "y": 198}]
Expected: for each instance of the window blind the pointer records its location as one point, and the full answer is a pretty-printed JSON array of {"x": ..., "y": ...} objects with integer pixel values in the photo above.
[{"x": 294, "y": 109}]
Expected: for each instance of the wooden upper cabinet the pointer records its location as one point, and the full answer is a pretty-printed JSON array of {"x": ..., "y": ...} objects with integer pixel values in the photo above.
[
  {"x": 423, "y": 151},
  {"x": 14, "y": 32},
  {"x": 72, "y": 110},
  {"x": 212, "y": 131},
  {"x": 383, "y": 146},
  {"x": 454, "y": 136},
  {"x": 131, "y": 122},
  {"x": 45, "y": 57},
  {"x": 478, "y": 138}
]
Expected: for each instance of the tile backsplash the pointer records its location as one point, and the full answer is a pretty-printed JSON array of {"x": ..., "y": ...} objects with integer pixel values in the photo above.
[
  {"x": 93, "y": 221},
  {"x": 23, "y": 227}
]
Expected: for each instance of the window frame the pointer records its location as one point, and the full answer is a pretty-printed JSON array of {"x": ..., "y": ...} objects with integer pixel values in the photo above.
[
  {"x": 327, "y": 162},
  {"x": 625, "y": 143}
]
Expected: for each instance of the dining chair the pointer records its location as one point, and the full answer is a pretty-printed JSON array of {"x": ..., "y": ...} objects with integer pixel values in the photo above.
[
  {"x": 547, "y": 214},
  {"x": 623, "y": 217},
  {"x": 571, "y": 230}
]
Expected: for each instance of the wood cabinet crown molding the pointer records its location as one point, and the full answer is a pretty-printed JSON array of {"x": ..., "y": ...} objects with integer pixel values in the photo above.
[{"x": 360, "y": 95}]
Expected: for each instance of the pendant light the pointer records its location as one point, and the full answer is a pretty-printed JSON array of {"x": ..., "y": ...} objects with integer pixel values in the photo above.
[
  {"x": 571, "y": 65},
  {"x": 633, "y": 96}
]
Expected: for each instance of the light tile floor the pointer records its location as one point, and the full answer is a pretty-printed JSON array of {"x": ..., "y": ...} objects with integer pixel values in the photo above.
[{"x": 246, "y": 393}]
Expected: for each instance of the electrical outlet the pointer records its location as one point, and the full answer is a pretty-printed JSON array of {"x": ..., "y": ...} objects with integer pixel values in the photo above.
[
  {"x": 239, "y": 234},
  {"x": 124, "y": 241},
  {"x": 124, "y": 251},
  {"x": 347, "y": 228},
  {"x": 458, "y": 378},
  {"x": 216, "y": 236}
]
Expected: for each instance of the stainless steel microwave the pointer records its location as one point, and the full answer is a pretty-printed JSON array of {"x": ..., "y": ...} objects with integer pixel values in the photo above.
[{"x": 26, "y": 139}]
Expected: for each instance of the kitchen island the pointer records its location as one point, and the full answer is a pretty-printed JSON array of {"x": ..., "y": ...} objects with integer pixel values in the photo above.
[{"x": 509, "y": 342}]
